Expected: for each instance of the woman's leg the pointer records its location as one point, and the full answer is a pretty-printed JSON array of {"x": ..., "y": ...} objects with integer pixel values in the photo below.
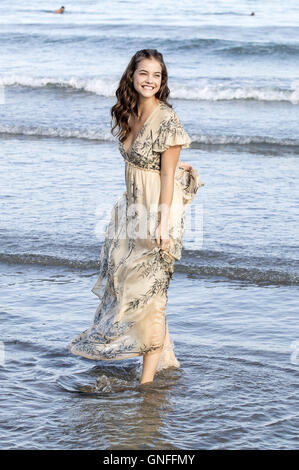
[
  {"x": 150, "y": 364},
  {"x": 151, "y": 361}
]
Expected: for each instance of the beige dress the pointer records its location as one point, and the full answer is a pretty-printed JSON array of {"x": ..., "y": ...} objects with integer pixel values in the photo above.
[{"x": 134, "y": 276}]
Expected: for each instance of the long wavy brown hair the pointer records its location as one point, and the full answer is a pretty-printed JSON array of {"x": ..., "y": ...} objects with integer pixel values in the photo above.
[{"x": 127, "y": 96}]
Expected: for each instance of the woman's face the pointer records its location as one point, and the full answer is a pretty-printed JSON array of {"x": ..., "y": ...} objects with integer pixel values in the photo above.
[{"x": 147, "y": 77}]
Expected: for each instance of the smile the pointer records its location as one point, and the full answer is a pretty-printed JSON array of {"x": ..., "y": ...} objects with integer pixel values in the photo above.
[{"x": 148, "y": 87}]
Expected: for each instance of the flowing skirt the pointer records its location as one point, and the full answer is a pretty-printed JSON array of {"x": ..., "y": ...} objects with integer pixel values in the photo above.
[{"x": 134, "y": 276}]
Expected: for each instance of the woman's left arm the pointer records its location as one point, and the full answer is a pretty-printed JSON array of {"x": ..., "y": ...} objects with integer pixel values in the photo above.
[{"x": 169, "y": 160}]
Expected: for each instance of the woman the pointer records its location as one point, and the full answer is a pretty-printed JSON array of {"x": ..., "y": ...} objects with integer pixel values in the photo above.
[{"x": 146, "y": 229}]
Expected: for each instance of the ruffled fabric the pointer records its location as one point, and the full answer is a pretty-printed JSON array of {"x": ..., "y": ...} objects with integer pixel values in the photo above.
[
  {"x": 189, "y": 182},
  {"x": 167, "y": 358},
  {"x": 171, "y": 132}
]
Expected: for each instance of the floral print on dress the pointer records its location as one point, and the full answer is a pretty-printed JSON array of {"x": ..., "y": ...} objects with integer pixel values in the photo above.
[{"x": 134, "y": 272}]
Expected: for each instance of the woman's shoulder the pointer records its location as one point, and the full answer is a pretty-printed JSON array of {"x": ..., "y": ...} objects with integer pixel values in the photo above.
[
  {"x": 168, "y": 131},
  {"x": 167, "y": 113}
]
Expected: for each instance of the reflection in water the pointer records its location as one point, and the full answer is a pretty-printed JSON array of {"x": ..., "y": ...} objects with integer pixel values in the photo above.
[{"x": 113, "y": 403}]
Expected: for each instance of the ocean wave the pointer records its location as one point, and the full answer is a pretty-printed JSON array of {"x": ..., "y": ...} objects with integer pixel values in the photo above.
[
  {"x": 233, "y": 93},
  {"x": 106, "y": 136},
  {"x": 107, "y": 37},
  {"x": 242, "y": 140},
  {"x": 205, "y": 92},
  {"x": 46, "y": 260},
  {"x": 258, "y": 271},
  {"x": 98, "y": 86},
  {"x": 54, "y": 133},
  {"x": 260, "y": 49},
  {"x": 248, "y": 274}
]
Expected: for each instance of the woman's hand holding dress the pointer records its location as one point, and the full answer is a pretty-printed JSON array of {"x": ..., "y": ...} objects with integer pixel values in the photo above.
[
  {"x": 162, "y": 236},
  {"x": 187, "y": 166}
]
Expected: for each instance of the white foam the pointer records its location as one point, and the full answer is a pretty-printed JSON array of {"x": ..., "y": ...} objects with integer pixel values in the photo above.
[
  {"x": 54, "y": 132},
  {"x": 107, "y": 136},
  {"x": 98, "y": 86},
  {"x": 207, "y": 92},
  {"x": 229, "y": 93},
  {"x": 242, "y": 140}
]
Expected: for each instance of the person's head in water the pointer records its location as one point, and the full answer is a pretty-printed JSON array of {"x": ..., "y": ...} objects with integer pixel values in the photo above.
[
  {"x": 144, "y": 78},
  {"x": 60, "y": 10}
]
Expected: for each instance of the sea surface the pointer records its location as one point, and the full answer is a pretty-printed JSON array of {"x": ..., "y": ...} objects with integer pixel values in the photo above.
[{"x": 233, "y": 301}]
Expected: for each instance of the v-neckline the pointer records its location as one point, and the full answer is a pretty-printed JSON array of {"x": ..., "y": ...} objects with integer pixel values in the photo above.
[{"x": 138, "y": 133}]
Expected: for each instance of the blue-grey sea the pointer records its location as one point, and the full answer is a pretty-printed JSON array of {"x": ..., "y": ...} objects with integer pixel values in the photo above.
[{"x": 233, "y": 302}]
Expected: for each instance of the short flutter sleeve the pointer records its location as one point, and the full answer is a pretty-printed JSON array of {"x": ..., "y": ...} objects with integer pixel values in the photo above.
[{"x": 170, "y": 133}]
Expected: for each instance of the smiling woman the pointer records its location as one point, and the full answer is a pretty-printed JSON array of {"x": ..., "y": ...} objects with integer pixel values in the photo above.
[{"x": 145, "y": 234}]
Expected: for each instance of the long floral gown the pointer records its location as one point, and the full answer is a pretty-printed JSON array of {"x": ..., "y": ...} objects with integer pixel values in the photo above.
[{"x": 134, "y": 276}]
